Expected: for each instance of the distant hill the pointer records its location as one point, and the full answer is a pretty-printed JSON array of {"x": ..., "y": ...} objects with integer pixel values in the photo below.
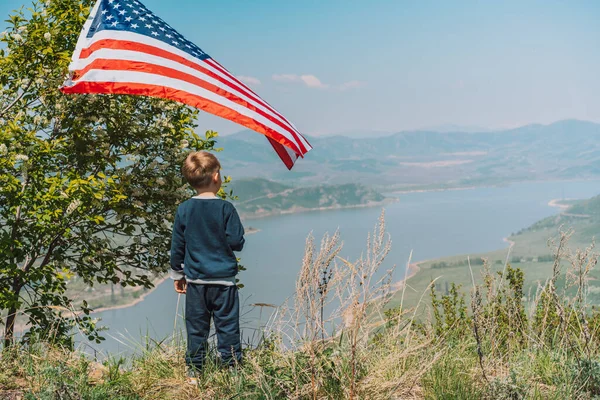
[
  {"x": 563, "y": 150},
  {"x": 261, "y": 197},
  {"x": 584, "y": 215},
  {"x": 360, "y": 134}
]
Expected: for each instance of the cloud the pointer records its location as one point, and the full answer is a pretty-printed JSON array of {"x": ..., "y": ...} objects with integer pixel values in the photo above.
[
  {"x": 286, "y": 78},
  {"x": 312, "y": 81},
  {"x": 309, "y": 80},
  {"x": 352, "y": 85},
  {"x": 250, "y": 80}
]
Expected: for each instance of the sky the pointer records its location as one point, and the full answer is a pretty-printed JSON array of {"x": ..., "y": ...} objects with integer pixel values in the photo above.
[{"x": 391, "y": 65}]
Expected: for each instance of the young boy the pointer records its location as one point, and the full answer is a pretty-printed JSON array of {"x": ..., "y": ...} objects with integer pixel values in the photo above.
[{"x": 206, "y": 232}]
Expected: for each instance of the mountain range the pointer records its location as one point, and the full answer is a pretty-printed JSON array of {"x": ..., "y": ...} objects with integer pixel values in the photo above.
[{"x": 566, "y": 149}]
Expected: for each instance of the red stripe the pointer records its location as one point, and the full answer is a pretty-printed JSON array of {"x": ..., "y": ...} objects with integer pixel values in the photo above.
[
  {"x": 155, "y": 51},
  {"x": 137, "y": 66},
  {"x": 283, "y": 155},
  {"x": 216, "y": 65},
  {"x": 180, "y": 96}
]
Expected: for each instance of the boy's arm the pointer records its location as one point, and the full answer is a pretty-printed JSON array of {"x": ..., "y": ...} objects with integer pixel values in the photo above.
[
  {"x": 177, "y": 249},
  {"x": 234, "y": 230}
]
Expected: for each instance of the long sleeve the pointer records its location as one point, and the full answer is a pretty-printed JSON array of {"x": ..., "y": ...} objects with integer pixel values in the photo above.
[
  {"x": 177, "y": 248},
  {"x": 234, "y": 231}
]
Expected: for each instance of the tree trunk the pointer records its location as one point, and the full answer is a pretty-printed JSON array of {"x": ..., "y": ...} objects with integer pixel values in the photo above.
[{"x": 9, "y": 328}]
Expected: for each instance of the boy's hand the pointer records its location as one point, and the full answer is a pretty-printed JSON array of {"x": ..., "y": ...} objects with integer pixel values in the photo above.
[{"x": 180, "y": 286}]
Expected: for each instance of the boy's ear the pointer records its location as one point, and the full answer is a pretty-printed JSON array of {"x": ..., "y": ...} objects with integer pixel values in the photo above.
[{"x": 216, "y": 177}]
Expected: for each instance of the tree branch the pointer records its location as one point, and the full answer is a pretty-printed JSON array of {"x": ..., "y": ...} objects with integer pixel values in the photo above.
[
  {"x": 15, "y": 225},
  {"x": 19, "y": 97}
]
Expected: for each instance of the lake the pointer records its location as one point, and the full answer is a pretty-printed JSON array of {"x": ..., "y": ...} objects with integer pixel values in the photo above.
[{"x": 431, "y": 224}]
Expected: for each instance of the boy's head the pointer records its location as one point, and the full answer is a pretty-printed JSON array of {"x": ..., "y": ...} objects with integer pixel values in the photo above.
[{"x": 201, "y": 170}]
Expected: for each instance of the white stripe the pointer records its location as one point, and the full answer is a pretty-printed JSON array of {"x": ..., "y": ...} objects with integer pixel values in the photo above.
[
  {"x": 95, "y": 75},
  {"x": 126, "y": 55},
  {"x": 139, "y": 38},
  {"x": 291, "y": 153}
]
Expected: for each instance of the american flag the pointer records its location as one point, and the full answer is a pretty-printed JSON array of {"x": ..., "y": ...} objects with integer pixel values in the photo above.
[{"x": 125, "y": 49}]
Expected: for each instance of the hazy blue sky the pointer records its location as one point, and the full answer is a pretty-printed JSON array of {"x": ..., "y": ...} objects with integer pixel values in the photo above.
[{"x": 391, "y": 65}]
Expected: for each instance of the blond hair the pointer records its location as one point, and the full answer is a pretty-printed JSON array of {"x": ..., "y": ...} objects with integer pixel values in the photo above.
[{"x": 199, "y": 167}]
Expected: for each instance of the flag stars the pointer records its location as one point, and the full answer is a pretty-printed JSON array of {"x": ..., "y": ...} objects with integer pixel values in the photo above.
[{"x": 131, "y": 15}]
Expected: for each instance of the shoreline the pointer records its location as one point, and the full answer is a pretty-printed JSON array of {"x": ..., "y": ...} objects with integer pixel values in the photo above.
[
  {"x": 388, "y": 200},
  {"x": 556, "y": 203},
  {"x": 21, "y": 327},
  {"x": 413, "y": 268},
  {"x": 492, "y": 185},
  {"x": 409, "y": 191},
  {"x": 136, "y": 301}
]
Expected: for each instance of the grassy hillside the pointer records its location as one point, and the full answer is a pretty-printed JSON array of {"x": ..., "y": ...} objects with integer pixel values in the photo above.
[
  {"x": 260, "y": 197},
  {"x": 533, "y": 250},
  {"x": 589, "y": 207},
  {"x": 484, "y": 342}
]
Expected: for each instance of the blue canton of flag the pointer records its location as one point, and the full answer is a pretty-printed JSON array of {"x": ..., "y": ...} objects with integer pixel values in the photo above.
[{"x": 133, "y": 16}]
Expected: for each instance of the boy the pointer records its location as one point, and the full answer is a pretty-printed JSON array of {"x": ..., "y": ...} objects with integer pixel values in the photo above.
[{"x": 206, "y": 232}]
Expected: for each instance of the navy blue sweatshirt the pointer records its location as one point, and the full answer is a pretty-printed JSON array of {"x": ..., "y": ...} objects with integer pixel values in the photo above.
[{"x": 206, "y": 232}]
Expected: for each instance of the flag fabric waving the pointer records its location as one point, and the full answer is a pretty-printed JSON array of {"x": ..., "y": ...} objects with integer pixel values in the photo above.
[{"x": 125, "y": 49}]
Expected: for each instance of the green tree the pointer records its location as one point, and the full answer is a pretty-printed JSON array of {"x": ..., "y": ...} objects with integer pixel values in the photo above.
[{"x": 88, "y": 184}]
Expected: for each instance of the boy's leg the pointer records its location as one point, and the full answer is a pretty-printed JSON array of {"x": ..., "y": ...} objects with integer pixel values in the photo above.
[
  {"x": 197, "y": 324},
  {"x": 226, "y": 313}
]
